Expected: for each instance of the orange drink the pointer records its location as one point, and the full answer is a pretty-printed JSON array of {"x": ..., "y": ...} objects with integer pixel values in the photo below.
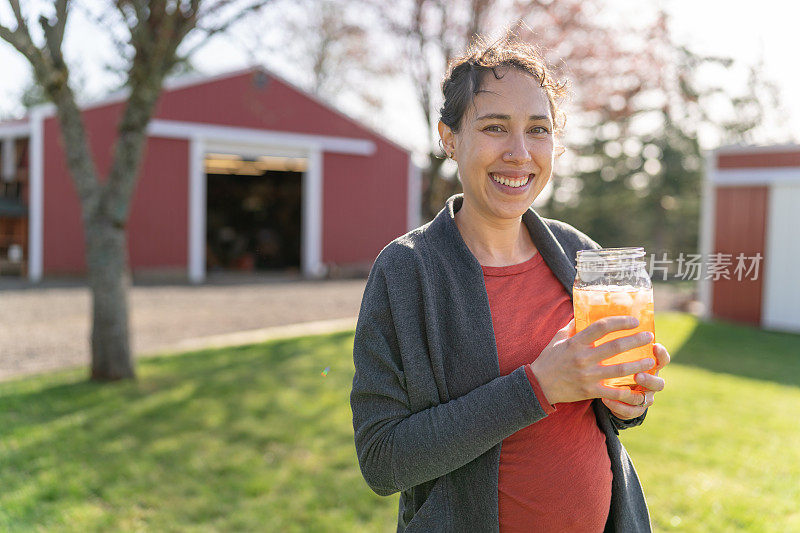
[{"x": 592, "y": 304}]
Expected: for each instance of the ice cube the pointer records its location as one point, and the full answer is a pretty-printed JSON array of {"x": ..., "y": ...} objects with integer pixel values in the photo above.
[
  {"x": 621, "y": 299},
  {"x": 596, "y": 297},
  {"x": 643, "y": 297}
]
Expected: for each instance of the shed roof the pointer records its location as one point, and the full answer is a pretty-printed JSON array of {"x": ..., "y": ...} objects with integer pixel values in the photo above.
[{"x": 755, "y": 165}]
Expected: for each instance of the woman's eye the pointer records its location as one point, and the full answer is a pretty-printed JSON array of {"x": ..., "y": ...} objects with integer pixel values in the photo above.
[
  {"x": 494, "y": 128},
  {"x": 539, "y": 130}
]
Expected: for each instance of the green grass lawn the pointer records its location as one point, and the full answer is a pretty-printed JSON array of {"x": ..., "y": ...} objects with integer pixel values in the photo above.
[{"x": 256, "y": 439}]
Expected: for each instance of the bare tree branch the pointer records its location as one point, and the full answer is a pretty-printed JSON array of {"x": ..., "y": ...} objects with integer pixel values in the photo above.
[
  {"x": 9, "y": 36},
  {"x": 210, "y": 31},
  {"x": 155, "y": 41},
  {"x": 61, "y": 20},
  {"x": 21, "y": 24},
  {"x": 54, "y": 36},
  {"x": 21, "y": 40},
  {"x": 108, "y": 19}
]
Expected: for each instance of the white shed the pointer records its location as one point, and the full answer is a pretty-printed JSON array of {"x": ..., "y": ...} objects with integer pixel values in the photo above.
[{"x": 751, "y": 209}]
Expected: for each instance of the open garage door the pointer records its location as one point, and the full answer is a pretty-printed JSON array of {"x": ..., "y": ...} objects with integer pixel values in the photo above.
[{"x": 254, "y": 213}]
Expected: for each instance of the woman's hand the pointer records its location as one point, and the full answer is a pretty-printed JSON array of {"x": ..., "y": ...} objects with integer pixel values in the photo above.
[
  {"x": 569, "y": 369},
  {"x": 652, "y": 383}
]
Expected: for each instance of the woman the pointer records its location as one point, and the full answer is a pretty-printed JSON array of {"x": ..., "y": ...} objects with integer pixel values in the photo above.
[{"x": 473, "y": 396}]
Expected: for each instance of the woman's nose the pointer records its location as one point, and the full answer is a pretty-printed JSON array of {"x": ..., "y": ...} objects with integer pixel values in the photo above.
[{"x": 517, "y": 150}]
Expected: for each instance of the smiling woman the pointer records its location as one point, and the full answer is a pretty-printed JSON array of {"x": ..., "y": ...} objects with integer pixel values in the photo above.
[
  {"x": 505, "y": 150},
  {"x": 466, "y": 345}
]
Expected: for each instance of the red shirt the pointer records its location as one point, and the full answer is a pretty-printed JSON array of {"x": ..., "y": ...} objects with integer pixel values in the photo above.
[{"x": 555, "y": 475}]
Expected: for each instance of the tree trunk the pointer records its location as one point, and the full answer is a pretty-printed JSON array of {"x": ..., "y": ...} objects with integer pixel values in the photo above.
[
  {"x": 435, "y": 188},
  {"x": 109, "y": 280}
]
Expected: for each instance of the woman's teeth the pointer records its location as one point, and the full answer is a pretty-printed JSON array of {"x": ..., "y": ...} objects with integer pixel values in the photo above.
[{"x": 511, "y": 182}]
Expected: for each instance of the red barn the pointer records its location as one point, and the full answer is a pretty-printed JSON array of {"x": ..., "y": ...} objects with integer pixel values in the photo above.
[
  {"x": 750, "y": 222},
  {"x": 241, "y": 171}
]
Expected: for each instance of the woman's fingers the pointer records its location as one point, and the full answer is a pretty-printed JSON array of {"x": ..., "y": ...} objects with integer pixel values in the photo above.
[
  {"x": 599, "y": 329},
  {"x": 619, "y": 394},
  {"x": 622, "y": 344},
  {"x": 624, "y": 410},
  {"x": 623, "y": 369},
  {"x": 648, "y": 381},
  {"x": 662, "y": 356}
]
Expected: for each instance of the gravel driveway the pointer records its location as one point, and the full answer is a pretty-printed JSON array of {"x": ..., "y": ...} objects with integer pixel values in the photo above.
[{"x": 47, "y": 327}]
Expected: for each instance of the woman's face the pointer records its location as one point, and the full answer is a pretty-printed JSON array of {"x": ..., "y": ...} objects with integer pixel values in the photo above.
[{"x": 504, "y": 149}]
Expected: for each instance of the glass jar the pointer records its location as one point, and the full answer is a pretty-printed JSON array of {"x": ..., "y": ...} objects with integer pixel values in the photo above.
[{"x": 614, "y": 282}]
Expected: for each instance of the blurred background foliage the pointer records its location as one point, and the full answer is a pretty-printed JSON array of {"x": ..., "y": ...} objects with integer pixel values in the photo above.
[{"x": 642, "y": 110}]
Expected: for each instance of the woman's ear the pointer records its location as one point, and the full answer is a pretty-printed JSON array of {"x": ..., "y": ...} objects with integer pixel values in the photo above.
[{"x": 447, "y": 140}]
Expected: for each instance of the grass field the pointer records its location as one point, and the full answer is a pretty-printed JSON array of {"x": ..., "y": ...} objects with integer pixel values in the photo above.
[{"x": 257, "y": 439}]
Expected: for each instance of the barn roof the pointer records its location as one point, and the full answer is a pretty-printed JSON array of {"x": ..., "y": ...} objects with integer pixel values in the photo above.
[{"x": 21, "y": 126}]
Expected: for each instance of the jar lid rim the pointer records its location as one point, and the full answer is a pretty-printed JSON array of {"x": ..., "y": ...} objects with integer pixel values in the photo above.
[{"x": 608, "y": 253}]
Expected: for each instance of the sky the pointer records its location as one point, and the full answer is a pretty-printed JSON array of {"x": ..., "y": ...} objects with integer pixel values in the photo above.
[{"x": 744, "y": 30}]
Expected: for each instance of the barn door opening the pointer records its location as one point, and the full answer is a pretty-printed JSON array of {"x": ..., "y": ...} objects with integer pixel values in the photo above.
[{"x": 253, "y": 212}]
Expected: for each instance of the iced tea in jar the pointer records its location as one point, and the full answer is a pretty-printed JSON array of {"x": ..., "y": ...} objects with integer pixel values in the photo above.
[{"x": 614, "y": 282}]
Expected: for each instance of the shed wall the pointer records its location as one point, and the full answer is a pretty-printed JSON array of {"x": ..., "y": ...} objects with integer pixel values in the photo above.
[
  {"x": 781, "y": 309},
  {"x": 740, "y": 229}
]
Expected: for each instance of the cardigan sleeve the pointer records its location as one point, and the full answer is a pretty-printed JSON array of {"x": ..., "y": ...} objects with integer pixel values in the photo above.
[{"x": 397, "y": 448}]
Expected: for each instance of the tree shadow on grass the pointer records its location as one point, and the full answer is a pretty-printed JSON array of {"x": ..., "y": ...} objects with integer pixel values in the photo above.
[
  {"x": 743, "y": 351},
  {"x": 215, "y": 423}
]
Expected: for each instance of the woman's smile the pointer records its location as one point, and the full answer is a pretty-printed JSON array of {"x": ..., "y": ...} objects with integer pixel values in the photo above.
[{"x": 511, "y": 183}]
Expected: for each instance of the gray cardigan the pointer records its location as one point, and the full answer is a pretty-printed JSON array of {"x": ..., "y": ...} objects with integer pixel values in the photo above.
[{"x": 430, "y": 409}]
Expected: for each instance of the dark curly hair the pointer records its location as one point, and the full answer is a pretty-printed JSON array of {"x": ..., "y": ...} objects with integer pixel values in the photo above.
[{"x": 466, "y": 74}]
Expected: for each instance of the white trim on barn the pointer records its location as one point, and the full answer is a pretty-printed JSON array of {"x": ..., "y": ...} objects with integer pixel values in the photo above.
[
  {"x": 16, "y": 129},
  {"x": 197, "y": 211},
  {"x": 36, "y": 196},
  {"x": 311, "y": 247},
  {"x": 173, "y": 129}
]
